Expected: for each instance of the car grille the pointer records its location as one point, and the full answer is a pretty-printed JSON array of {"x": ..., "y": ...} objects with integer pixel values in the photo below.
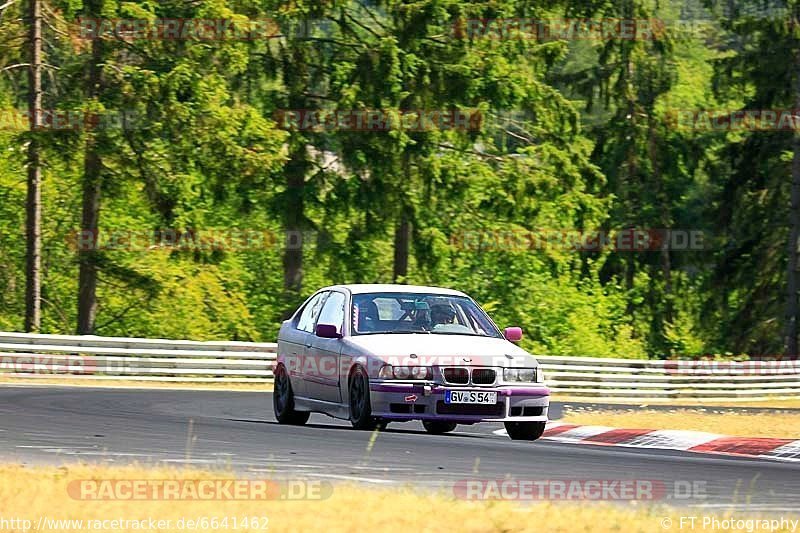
[
  {"x": 457, "y": 376},
  {"x": 461, "y": 375},
  {"x": 483, "y": 376},
  {"x": 469, "y": 409},
  {"x": 529, "y": 411},
  {"x": 405, "y": 408}
]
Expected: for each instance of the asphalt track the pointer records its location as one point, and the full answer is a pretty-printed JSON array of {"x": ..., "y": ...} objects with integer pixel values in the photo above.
[{"x": 44, "y": 425}]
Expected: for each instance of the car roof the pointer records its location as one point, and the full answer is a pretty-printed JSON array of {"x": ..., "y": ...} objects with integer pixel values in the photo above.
[{"x": 390, "y": 287}]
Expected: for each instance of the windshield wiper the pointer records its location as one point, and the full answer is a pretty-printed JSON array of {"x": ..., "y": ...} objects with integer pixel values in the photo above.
[
  {"x": 461, "y": 333},
  {"x": 399, "y": 331}
]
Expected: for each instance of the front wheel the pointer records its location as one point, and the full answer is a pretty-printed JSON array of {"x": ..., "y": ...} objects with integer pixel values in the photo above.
[
  {"x": 437, "y": 427},
  {"x": 283, "y": 400},
  {"x": 525, "y": 430},
  {"x": 360, "y": 406}
]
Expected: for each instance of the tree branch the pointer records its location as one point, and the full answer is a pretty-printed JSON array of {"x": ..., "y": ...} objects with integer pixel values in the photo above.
[
  {"x": 8, "y": 4},
  {"x": 12, "y": 67},
  {"x": 327, "y": 40},
  {"x": 56, "y": 30},
  {"x": 373, "y": 17},
  {"x": 23, "y": 65},
  {"x": 473, "y": 152},
  {"x": 53, "y": 13},
  {"x": 360, "y": 25}
]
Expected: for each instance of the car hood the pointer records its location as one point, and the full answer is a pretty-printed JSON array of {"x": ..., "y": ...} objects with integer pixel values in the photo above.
[{"x": 436, "y": 349}]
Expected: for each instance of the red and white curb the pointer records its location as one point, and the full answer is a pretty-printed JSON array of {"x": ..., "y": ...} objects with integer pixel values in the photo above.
[{"x": 673, "y": 439}]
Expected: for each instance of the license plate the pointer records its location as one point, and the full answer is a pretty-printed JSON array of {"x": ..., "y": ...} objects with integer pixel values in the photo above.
[{"x": 470, "y": 396}]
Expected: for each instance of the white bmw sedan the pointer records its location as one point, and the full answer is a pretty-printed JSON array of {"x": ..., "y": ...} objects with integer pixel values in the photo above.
[{"x": 376, "y": 354}]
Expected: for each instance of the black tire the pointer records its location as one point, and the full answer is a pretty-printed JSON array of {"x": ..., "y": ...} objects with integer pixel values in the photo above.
[
  {"x": 525, "y": 430},
  {"x": 283, "y": 400},
  {"x": 360, "y": 406},
  {"x": 438, "y": 427}
]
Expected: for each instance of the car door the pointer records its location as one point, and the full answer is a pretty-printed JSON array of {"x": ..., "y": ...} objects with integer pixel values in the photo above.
[
  {"x": 298, "y": 342},
  {"x": 323, "y": 365}
]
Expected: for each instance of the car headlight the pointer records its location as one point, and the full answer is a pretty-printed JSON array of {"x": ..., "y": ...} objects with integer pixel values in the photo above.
[
  {"x": 402, "y": 372},
  {"x": 524, "y": 375},
  {"x": 405, "y": 372},
  {"x": 420, "y": 372}
]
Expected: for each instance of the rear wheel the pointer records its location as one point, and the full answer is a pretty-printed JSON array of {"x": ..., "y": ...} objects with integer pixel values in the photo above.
[
  {"x": 283, "y": 400},
  {"x": 360, "y": 407},
  {"x": 525, "y": 430},
  {"x": 437, "y": 427}
]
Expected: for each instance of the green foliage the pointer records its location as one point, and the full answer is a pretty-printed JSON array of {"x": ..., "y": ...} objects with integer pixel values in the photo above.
[{"x": 575, "y": 136}]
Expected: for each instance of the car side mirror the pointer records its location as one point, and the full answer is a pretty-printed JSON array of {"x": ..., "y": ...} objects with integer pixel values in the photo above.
[
  {"x": 328, "y": 331},
  {"x": 513, "y": 334}
]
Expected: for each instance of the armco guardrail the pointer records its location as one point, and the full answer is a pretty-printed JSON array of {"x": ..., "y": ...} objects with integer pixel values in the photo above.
[
  {"x": 648, "y": 378},
  {"x": 104, "y": 358}
]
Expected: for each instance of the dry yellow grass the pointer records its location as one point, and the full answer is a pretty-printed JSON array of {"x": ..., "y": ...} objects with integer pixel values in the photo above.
[
  {"x": 744, "y": 425},
  {"x": 31, "y": 493}
]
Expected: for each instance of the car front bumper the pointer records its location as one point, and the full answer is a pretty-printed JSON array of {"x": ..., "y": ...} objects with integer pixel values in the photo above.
[{"x": 399, "y": 401}]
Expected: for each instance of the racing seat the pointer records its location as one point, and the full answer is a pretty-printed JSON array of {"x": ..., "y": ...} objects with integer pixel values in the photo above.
[{"x": 367, "y": 316}]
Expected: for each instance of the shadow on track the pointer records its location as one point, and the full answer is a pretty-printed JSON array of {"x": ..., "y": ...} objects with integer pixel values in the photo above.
[{"x": 348, "y": 428}]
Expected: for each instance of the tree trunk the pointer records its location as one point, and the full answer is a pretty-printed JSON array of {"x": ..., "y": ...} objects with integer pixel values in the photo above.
[
  {"x": 295, "y": 58},
  {"x": 665, "y": 221},
  {"x": 402, "y": 238},
  {"x": 794, "y": 232},
  {"x": 294, "y": 217},
  {"x": 402, "y": 232},
  {"x": 87, "y": 282},
  {"x": 666, "y": 272},
  {"x": 33, "y": 205},
  {"x": 792, "y": 263},
  {"x": 92, "y": 181}
]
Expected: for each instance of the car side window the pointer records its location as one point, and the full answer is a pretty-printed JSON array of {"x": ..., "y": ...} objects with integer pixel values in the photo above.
[
  {"x": 333, "y": 311},
  {"x": 310, "y": 313}
]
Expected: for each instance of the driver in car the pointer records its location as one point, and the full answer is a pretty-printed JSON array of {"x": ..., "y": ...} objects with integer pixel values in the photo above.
[{"x": 442, "y": 314}]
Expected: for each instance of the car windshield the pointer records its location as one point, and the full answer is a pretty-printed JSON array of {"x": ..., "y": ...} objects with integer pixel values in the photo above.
[{"x": 390, "y": 312}]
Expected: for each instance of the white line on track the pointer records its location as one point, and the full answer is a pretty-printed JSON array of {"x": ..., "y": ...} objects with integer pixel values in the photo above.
[
  {"x": 354, "y": 478},
  {"x": 268, "y": 469},
  {"x": 381, "y": 468},
  {"x": 746, "y": 507}
]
